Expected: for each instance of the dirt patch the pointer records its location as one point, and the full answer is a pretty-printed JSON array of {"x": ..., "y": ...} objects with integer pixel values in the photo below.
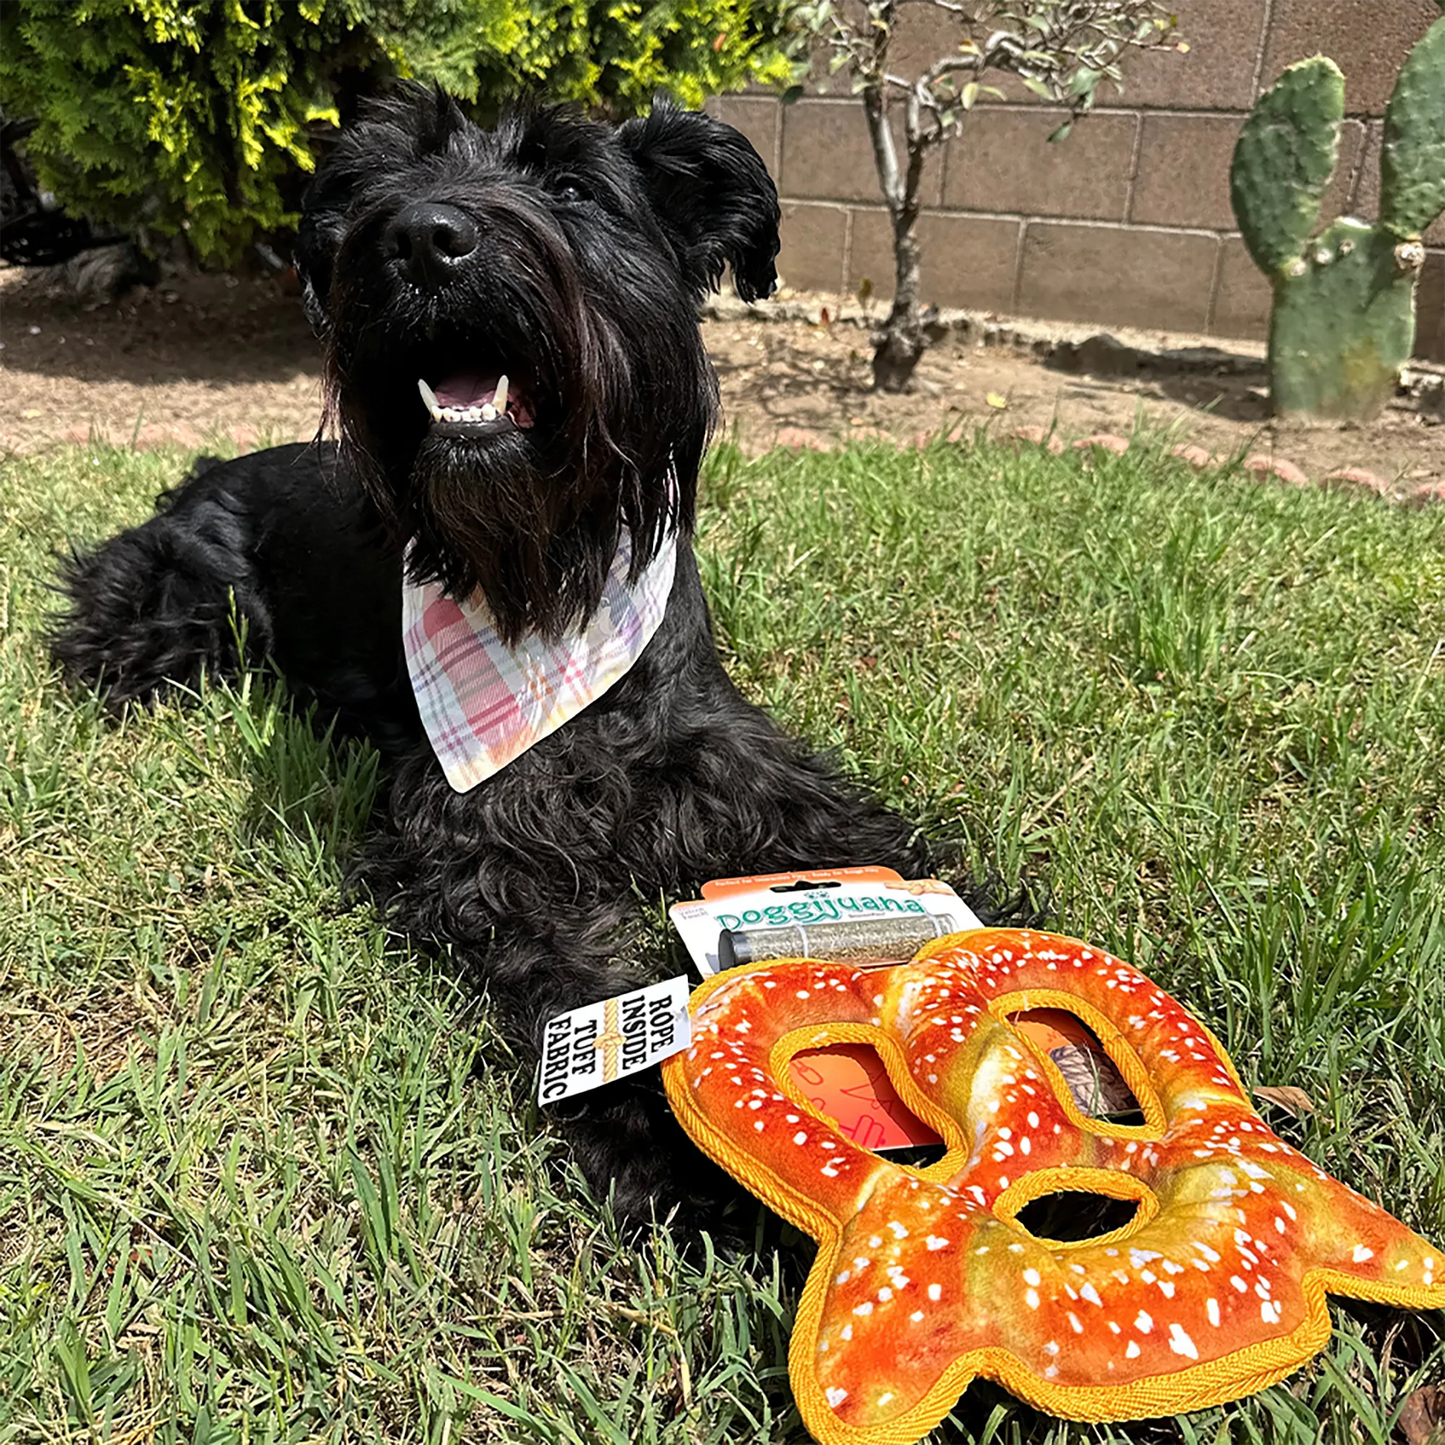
[
  {"x": 807, "y": 384},
  {"x": 194, "y": 360},
  {"x": 203, "y": 357}
]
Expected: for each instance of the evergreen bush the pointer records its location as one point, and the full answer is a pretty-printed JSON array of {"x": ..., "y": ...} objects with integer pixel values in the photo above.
[{"x": 204, "y": 116}]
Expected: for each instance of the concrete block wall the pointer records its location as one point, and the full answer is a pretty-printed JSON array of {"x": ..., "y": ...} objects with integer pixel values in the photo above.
[{"x": 1125, "y": 223}]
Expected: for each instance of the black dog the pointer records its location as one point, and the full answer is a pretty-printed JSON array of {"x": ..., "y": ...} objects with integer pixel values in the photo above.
[{"x": 569, "y": 256}]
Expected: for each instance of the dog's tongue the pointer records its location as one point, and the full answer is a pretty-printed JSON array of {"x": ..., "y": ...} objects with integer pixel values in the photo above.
[{"x": 467, "y": 388}]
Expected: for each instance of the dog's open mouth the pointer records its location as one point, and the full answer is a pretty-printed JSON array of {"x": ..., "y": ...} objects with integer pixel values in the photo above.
[{"x": 477, "y": 403}]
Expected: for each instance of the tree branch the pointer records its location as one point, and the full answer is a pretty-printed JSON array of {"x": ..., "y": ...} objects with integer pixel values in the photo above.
[{"x": 885, "y": 154}]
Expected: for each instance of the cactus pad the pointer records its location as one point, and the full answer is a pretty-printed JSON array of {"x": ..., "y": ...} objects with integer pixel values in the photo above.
[
  {"x": 1284, "y": 159},
  {"x": 1343, "y": 324},
  {"x": 1412, "y": 164},
  {"x": 1344, "y": 303}
]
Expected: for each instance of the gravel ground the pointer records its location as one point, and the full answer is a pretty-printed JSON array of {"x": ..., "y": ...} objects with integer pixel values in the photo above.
[{"x": 207, "y": 358}]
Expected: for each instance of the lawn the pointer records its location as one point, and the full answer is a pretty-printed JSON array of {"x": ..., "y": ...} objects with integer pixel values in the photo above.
[{"x": 266, "y": 1175}]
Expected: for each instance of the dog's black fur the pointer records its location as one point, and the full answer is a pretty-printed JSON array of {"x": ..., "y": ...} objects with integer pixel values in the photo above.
[{"x": 576, "y": 266}]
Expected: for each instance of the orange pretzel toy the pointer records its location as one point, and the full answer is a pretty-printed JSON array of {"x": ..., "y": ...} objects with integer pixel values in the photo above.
[{"x": 924, "y": 1278}]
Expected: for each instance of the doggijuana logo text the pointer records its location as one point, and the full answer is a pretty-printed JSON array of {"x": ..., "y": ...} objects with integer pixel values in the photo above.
[{"x": 818, "y": 908}]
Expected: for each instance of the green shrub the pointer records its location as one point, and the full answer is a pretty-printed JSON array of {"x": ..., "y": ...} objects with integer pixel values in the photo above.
[{"x": 202, "y": 116}]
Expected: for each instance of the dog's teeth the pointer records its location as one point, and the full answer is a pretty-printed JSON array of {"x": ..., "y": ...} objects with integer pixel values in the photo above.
[
  {"x": 499, "y": 400},
  {"x": 485, "y": 412}
]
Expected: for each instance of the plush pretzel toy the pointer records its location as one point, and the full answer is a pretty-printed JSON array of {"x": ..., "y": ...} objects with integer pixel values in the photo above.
[{"x": 924, "y": 1278}]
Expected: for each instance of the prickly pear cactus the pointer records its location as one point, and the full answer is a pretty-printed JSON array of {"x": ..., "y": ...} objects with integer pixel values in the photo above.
[{"x": 1344, "y": 300}]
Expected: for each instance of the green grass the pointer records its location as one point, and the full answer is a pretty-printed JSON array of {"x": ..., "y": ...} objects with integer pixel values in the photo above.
[{"x": 266, "y": 1175}]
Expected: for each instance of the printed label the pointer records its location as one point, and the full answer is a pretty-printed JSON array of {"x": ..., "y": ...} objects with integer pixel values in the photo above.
[
  {"x": 599, "y": 1042},
  {"x": 849, "y": 1083}
]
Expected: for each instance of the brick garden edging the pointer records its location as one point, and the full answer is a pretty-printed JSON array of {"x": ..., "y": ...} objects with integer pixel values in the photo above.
[{"x": 1266, "y": 467}]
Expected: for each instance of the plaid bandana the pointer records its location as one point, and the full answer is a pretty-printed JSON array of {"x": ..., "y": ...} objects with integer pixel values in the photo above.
[{"x": 484, "y": 703}]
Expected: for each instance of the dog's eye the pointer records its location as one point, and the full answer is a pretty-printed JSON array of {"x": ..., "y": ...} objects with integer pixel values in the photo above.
[{"x": 571, "y": 193}]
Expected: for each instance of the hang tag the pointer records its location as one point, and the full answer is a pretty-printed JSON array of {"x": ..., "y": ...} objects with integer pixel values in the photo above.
[{"x": 600, "y": 1042}]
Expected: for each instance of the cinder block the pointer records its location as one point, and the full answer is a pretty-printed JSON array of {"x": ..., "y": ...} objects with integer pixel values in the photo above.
[
  {"x": 827, "y": 154},
  {"x": 811, "y": 258},
  {"x": 968, "y": 261},
  {"x": 1353, "y": 135},
  {"x": 1183, "y": 177},
  {"x": 756, "y": 116},
  {"x": 821, "y": 78},
  {"x": 1002, "y": 161},
  {"x": 1244, "y": 297},
  {"x": 1367, "y": 39},
  {"x": 1184, "y": 161},
  {"x": 870, "y": 252},
  {"x": 1430, "y": 309},
  {"x": 1366, "y": 198},
  {"x": 921, "y": 36},
  {"x": 1217, "y": 73},
  {"x": 1117, "y": 277}
]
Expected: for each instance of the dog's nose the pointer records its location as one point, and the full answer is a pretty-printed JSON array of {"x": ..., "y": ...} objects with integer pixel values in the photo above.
[{"x": 430, "y": 240}]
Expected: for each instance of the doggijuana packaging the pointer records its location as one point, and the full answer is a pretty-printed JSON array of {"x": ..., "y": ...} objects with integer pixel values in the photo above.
[
  {"x": 870, "y": 916},
  {"x": 925, "y": 1277}
]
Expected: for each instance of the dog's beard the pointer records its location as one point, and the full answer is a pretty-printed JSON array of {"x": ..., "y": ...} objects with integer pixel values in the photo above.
[
  {"x": 527, "y": 522},
  {"x": 538, "y": 548}
]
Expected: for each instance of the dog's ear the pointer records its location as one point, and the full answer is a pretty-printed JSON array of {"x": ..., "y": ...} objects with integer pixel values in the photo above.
[{"x": 711, "y": 193}]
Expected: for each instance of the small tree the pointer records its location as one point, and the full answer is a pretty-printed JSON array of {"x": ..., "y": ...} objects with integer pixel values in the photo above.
[{"x": 1059, "y": 49}]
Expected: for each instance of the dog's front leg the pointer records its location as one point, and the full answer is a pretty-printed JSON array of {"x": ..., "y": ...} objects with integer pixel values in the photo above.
[
  {"x": 625, "y": 1139},
  {"x": 165, "y": 602}
]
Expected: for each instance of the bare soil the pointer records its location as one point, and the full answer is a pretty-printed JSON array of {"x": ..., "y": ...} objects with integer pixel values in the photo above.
[{"x": 206, "y": 358}]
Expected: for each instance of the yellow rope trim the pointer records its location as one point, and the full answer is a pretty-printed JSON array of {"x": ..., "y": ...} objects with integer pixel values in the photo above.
[
  {"x": 1109, "y": 1182},
  {"x": 1197, "y": 1387}
]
